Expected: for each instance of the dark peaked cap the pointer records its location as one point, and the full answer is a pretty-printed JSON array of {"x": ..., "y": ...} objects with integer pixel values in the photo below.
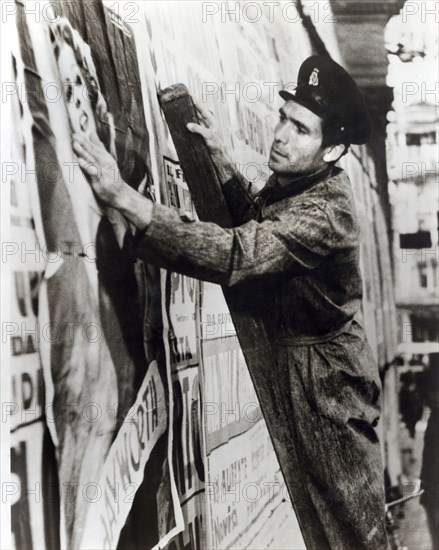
[{"x": 326, "y": 89}]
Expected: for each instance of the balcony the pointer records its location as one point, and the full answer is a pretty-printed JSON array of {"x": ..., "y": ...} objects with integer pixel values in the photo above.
[{"x": 365, "y": 57}]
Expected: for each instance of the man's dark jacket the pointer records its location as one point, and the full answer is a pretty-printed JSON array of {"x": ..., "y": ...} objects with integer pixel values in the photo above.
[{"x": 294, "y": 256}]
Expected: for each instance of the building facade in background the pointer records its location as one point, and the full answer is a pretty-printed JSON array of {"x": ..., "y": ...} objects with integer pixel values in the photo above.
[{"x": 413, "y": 163}]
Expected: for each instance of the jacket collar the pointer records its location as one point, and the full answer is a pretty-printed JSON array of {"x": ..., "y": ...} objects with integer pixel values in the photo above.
[{"x": 273, "y": 191}]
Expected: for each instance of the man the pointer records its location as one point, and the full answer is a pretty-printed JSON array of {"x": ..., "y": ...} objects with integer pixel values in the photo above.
[{"x": 293, "y": 255}]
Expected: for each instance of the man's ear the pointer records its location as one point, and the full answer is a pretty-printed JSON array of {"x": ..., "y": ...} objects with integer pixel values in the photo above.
[{"x": 334, "y": 152}]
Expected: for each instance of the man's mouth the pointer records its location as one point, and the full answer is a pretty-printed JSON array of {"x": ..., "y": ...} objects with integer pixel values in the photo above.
[{"x": 278, "y": 153}]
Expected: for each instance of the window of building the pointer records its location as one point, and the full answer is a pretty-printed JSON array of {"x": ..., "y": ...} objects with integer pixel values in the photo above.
[
  {"x": 421, "y": 239},
  {"x": 427, "y": 138},
  {"x": 424, "y": 329}
]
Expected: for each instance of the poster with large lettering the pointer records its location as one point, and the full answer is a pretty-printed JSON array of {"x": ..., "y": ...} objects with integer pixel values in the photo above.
[
  {"x": 32, "y": 490},
  {"x": 187, "y": 382},
  {"x": 244, "y": 483},
  {"x": 106, "y": 368}
]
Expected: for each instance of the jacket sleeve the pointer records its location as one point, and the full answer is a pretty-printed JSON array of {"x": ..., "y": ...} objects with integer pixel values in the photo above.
[
  {"x": 240, "y": 198},
  {"x": 290, "y": 245}
]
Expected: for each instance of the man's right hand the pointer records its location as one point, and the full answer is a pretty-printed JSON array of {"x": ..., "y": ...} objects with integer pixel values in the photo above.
[{"x": 210, "y": 132}]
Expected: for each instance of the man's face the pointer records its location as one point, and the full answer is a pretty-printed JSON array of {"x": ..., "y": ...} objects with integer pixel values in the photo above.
[{"x": 297, "y": 144}]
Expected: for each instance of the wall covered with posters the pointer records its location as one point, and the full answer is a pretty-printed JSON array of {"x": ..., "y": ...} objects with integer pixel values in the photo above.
[{"x": 133, "y": 419}]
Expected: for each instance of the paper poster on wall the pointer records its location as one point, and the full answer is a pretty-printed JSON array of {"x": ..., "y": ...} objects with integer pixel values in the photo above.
[
  {"x": 244, "y": 481},
  {"x": 104, "y": 357},
  {"x": 189, "y": 457},
  {"x": 33, "y": 489},
  {"x": 244, "y": 486}
]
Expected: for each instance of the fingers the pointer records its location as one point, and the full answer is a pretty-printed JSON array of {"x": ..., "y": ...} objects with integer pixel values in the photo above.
[
  {"x": 82, "y": 152},
  {"x": 197, "y": 129},
  {"x": 91, "y": 143},
  {"x": 91, "y": 150},
  {"x": 82, "y": 139},
  {"x": 89, "y": 168},
  {"x": 206, "y": 114}
]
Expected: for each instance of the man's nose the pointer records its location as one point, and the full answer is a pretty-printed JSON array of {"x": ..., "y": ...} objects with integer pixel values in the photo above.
[{"x": 282, "y": 134}]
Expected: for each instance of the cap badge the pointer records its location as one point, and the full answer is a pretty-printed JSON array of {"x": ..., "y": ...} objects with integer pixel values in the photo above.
[{"x": 314, "y": 78}]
